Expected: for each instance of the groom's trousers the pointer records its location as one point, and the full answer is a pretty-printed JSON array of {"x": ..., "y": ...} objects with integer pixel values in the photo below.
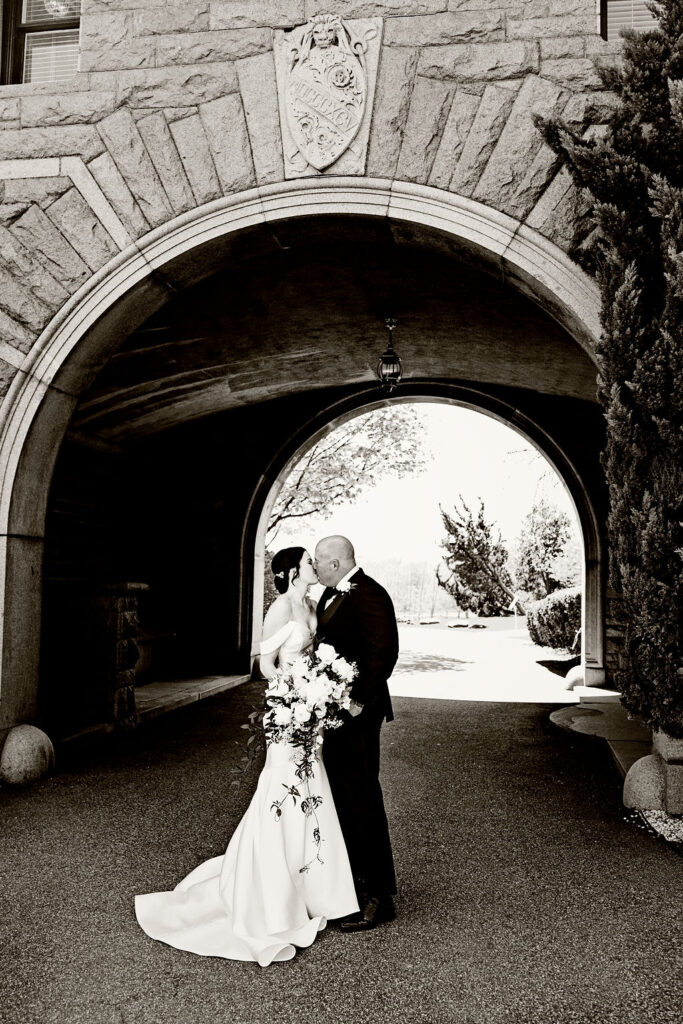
[{"x": 351, "y": 756}]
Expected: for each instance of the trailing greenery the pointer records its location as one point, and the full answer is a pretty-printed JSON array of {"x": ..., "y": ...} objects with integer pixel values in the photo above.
[
  {"x": 634, "y": 174},
  {"x": 556, "y": 620}
]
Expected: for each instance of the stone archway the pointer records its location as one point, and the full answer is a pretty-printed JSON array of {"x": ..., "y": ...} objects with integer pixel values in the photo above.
[
  {"x": 256, "y": 522},
  {"x": 89, "y": 327}
]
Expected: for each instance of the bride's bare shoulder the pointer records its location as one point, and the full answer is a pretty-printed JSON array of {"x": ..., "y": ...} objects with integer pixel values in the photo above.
[{"x": 277, "y": 616}]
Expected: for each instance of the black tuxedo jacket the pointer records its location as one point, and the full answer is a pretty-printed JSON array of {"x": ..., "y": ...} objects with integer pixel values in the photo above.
[{"x": 361, "y": 626}]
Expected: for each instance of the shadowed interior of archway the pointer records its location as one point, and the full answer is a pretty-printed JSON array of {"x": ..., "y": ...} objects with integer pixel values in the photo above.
[{"x": 156, "y": 478}]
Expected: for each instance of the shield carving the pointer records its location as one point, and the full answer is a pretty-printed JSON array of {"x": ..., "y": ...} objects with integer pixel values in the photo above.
[{"x": 326, "y": 91}]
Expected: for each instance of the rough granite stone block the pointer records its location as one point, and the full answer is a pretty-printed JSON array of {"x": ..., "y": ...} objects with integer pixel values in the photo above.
[
  {"x": 555, "y": 213},
  {"x": 187, "y": 17},
  {"x": 10, "y": 211},
  {"x": 519, "y": 142},
  {"x": 209, "y": 47},
  {"x": 577, "y": 74},
  {"x": 550, "y": 28},
  {"x": 125, "y": 144},
  {"x": 226, "y": 132},
  {"x": 195, "y": 154},
  {"x": 591, "y": 108},
  {"x": 34, "y": 143},
  {"x": 495, "y": 106},
  {"x": 668, "y": 748},
  {"x": 259, "y": 95},
  {"x": 102, "y": 6},
  {"x": 397, "y": 71},
  {"x": 16, "y": 336},
  {"x": 370, "y": 9},
  {"x": 177, "y": 86},
  {"x": 71, "y": 108},
  {"x": 109, "y": 178},
  {"x": 543, "y": 166},
  {"x": 429, "y": 108},
  {"x": 37, "y": 232},
  {"x": 34, "y": 190},
  {"x": 563, "y": 46},
  {"x": 673, "y": 775},
  {"x": 172, "y": 113},
  {"x": 444, "y": 29},
  {"x": 462, "y": 113},
  {"x": 479, "y": 62},
  {"x": 72, "y": 216},
  {"x": 23, "y": 264},
  {"x": 161, "y": 147},
  {"x": 530, "y": 8},
  {"x": 17, "y": 302},
  {"x": 9, "y": 110},
  {"x": 104, "y": 29},
  {"x": 7, "y": 371},
  {"x": 106, "y": 43},
  {"x": 257, "y": 14}
]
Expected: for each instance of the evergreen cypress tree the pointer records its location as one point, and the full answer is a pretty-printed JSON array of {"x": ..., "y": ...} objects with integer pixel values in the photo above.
[
  {"x": 476, "y": 561},
  {"x": 634, "y": 174}
]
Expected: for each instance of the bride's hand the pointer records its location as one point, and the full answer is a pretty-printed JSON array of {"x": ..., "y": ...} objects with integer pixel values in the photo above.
[{"x": 355, "y": 709}]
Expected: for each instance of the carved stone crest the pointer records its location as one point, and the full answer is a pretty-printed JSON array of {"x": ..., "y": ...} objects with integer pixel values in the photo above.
[{"x": 326, "y": 71}]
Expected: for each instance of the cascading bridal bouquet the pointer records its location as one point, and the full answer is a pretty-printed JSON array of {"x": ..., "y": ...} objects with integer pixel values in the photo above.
[{"x": 302, "y": 700}]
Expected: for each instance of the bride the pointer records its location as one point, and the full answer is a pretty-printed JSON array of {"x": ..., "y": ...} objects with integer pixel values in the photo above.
[{"x": 253, "y": 902}]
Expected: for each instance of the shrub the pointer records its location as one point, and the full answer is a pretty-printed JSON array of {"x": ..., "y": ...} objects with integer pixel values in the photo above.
[
  {"x": 634, "y": 173},
  {"x": 555, "y": 621}
]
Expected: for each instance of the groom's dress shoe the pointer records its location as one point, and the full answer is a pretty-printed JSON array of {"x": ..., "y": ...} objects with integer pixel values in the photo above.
[{"x": 373, "y": 912}]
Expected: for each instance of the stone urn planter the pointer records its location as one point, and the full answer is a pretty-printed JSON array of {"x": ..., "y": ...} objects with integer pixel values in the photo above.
[{"x": 655, "y": 782}]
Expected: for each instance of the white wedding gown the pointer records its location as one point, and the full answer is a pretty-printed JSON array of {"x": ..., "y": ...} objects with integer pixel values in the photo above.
[{"x": 254, "y": 903}]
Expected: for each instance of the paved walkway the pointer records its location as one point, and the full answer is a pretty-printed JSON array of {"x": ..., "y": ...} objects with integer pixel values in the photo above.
[
  {"x": 494, "y": 661},
  {"x": 526, "y": 897}
]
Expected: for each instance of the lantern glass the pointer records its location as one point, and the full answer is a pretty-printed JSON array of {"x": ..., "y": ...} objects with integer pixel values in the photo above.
[{"x": 389, "y": 369}]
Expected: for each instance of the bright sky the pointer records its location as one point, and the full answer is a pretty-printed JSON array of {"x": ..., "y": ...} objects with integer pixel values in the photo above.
[{"x": 473, "y": 455}]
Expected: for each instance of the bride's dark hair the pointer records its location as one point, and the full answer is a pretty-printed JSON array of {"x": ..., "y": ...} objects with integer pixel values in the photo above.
[{"x": 288, "y": 558}]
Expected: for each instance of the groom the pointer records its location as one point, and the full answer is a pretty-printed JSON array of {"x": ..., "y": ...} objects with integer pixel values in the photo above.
[{"x": 356, "y": 616}]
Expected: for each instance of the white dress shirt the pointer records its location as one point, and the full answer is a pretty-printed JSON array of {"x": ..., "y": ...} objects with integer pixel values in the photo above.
[{"x": 341, "y": 582}]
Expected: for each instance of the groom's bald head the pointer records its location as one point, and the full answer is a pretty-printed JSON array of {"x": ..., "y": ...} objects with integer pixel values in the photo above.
[{"x": 334, "y": 557}]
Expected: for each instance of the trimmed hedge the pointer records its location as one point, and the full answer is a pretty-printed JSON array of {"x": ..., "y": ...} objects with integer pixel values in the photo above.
[{"x": 555, "y": 620}]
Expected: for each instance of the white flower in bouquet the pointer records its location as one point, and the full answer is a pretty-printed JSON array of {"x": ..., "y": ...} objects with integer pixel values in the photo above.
[
  {"x": 343, "y": 669},
  {"x": 282, "y": 715},
  {"x": 277, "y": 687},
  {"x": 326, "y": 654},
  {"x": 301, "y": 713},
  {"x": 300, "y": 670},
  {"x": 315, "y": 694}
]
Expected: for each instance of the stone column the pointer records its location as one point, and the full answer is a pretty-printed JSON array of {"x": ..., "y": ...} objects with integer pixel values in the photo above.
[{"x": 114, "y": 645}]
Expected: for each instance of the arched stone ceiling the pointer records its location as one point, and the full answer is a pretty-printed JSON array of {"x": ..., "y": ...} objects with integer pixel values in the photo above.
[{"x": 307, "y": 313}]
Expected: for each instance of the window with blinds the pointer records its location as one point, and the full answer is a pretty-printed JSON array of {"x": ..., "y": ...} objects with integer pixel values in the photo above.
[
  {"x": 621, "y": 14},
  {"x": 40, "y": 40}
]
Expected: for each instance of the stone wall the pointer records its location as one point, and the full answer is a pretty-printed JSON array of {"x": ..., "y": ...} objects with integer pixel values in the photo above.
[{"x": 176, "y": 106}]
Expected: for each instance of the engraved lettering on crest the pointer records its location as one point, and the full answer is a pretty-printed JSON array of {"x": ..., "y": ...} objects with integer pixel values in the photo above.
[{"x": 326, "y": 87}]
